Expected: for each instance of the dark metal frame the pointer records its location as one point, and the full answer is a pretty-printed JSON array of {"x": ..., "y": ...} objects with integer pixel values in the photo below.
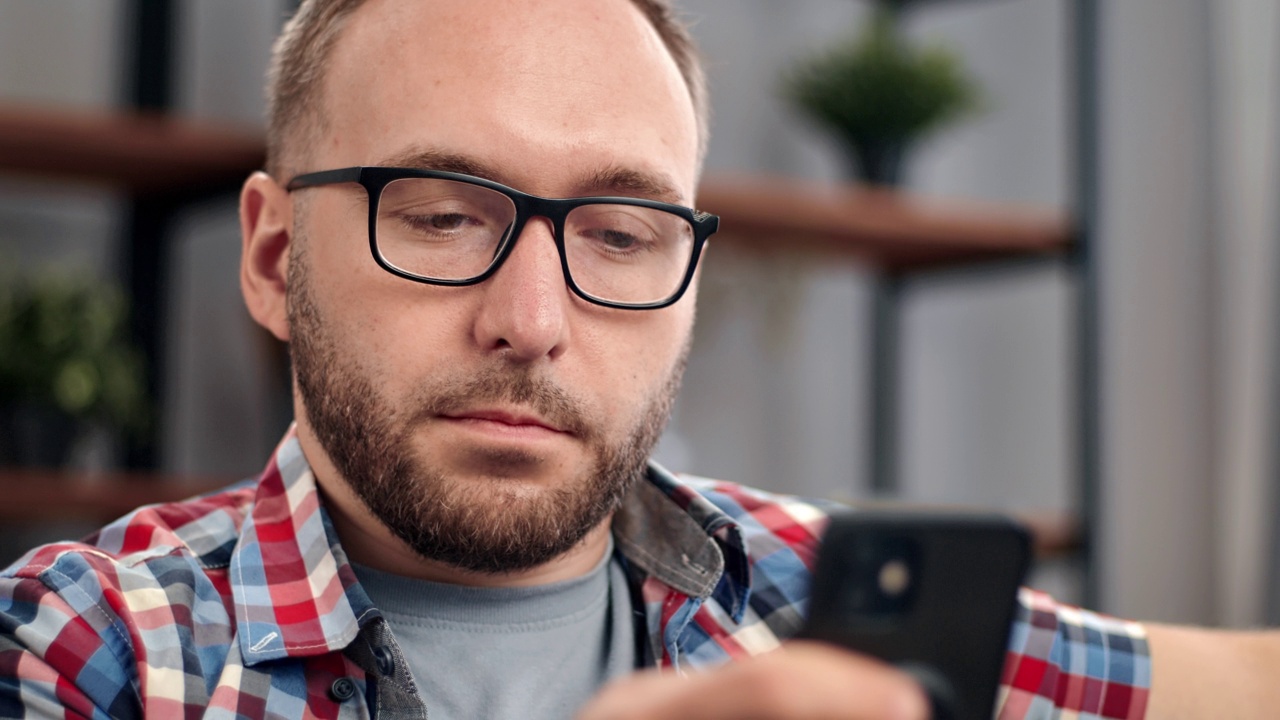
[
  {"x": 1087, "y": 45},
  {"x": 148, "y": 218},
  {"x": 146, "y": 243},
  {"x": 888, "y": 290}
]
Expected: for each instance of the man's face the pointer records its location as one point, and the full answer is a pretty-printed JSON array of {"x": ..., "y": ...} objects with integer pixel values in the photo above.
[{"x": 490, "y": 426}]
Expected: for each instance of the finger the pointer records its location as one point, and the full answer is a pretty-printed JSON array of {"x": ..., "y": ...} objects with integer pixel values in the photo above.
[{"x": 806, "y": 681}]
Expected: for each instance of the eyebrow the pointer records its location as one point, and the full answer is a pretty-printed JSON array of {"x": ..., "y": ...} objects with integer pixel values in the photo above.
[
  {"x": 612, "y": 180},
  {"x": 618, "y": 180},
  {"x": 427, "y": 159}
]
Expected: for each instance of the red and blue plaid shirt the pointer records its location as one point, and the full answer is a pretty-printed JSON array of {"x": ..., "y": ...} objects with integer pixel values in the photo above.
[{"x": 243, "y": 604}]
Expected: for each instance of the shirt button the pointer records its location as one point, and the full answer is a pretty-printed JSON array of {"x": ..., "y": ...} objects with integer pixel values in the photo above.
[
  {"x": 386, "y": 662},
  {"x": 342, "y": 689}
]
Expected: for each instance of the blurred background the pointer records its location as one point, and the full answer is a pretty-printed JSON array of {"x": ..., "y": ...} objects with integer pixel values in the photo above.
[{"x": 819, "y": 367}]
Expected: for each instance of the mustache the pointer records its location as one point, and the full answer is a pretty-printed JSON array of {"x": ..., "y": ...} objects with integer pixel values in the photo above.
[{"x": 507, "y": 387}]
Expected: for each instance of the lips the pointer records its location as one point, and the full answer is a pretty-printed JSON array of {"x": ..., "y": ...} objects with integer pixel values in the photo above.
[{"x": 515, "y": 420}]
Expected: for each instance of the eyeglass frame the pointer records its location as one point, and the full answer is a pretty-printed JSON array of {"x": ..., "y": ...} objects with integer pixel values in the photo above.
[{"x": 374, "y": 179}]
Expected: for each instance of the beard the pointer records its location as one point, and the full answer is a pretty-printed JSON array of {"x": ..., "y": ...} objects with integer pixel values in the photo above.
[{"x": 484, "y": 524}]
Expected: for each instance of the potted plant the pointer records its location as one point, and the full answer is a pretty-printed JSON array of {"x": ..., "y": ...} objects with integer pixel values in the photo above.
[
  {"x": 880, "y": 94},
  {"x": 65, "y": 365}
]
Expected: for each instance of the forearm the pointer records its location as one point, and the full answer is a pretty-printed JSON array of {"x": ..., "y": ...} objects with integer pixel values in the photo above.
[{"x": 1197, "y": 673}]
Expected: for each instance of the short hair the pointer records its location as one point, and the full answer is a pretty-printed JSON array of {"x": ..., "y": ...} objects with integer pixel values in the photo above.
[{"x": 300, "y": 58}]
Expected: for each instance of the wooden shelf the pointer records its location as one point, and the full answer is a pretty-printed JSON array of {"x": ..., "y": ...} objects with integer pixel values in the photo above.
[
  {"x": 31, "y": 496},
  {"x": 884, "y": 229},
  {"x": 136, "y": 152},
  {"x": 162, "y": 163}
]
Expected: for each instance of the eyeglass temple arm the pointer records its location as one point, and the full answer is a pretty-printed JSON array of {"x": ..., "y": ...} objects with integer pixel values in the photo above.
[
  {"x": 326, "y": 177},
  {"x": 710, "y": 222}
]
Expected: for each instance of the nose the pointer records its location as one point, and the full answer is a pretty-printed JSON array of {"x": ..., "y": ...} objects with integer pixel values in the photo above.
[{"x": 525, "y": 304}]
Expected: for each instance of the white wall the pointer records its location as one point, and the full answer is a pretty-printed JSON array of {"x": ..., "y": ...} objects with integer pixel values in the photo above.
[
  {"x": 60, "y": 52},
  {"x": 1245, "y": 37}
]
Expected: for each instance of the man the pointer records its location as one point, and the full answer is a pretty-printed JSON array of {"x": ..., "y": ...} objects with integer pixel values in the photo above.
[{"x": 462, "y": 522}]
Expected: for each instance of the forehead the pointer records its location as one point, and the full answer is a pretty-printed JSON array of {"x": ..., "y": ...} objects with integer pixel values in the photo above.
[{"x": 544, "y": 89}]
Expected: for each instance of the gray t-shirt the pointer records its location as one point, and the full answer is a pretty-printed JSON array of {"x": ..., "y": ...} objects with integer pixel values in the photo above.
[{"x": 532, "y": 652}]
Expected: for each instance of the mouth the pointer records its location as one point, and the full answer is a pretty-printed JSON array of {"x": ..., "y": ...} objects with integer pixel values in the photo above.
[{"x": 506, "y": 422}]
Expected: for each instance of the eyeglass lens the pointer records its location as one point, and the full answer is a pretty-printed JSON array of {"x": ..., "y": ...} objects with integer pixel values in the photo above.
[{"x": 448, "y": 230}]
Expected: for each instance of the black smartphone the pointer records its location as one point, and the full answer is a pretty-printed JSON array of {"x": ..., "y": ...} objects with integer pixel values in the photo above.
[{"x": 932, "y": 593}]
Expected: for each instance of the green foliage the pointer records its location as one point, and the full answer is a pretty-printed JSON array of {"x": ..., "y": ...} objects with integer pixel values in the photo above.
[
  {"x": 64, "y": 343},
  {"x": 878, "y": 88}
]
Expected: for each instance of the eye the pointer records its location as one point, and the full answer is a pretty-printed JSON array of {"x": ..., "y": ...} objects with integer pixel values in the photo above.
[
  {"x": 440, "y": 221},
  {"x": 429, "y": 209},
  {"x": 614, "y": 230},
  {"x": 617, "y": 239}
]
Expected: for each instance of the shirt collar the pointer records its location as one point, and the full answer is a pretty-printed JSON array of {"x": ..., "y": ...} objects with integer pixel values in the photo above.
[
  {"x": 293, "y": 588},
  {"x": 680, "y": 538},
  {"x": 295, "y": 593}
]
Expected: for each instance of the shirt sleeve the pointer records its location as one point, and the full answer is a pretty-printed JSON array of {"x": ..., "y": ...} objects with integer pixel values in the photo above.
[
  {"x": 53, "y": 663},
  {"x": 1067, "y": 662}
]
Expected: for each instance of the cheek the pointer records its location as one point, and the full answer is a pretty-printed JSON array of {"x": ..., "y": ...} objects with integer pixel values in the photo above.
[
  {"x": 403, "y": 339},
  {"x": 637, "y": 358},
  {"x": 391, "y": 330}
]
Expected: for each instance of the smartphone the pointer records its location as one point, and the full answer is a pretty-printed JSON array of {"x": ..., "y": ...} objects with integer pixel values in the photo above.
[{"x": 932, "y": 593}]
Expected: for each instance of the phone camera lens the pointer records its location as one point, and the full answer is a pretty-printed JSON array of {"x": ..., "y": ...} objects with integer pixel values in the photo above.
[{"x": 895, "y": 577}]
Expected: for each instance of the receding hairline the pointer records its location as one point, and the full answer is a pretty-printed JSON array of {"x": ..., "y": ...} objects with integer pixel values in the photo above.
[{"x": 302, "y": 55}]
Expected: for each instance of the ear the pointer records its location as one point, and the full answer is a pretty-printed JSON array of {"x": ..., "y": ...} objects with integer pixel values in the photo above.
[{"x": 266, "y": 230}]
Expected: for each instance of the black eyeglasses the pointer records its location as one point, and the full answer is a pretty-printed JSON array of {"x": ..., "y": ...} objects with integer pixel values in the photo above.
[{"x": 445, "y": 228}]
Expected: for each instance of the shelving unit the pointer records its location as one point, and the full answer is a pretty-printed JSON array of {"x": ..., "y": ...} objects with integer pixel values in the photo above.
[
  {"x": 895, "y": 235},
  {"x": 888, "y": 231},
  {"x": 138, "y": 153},
  {"x": 35, "y": 497},
  {"x": 898, "y": 236},
  {"x": 162, "y": 164}
]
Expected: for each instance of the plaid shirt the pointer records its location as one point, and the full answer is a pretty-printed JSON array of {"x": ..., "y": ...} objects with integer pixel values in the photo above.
[{"x": 243, "y": 604}]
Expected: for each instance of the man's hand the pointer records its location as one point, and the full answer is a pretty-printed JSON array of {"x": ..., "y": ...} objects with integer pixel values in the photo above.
[{"x": 803, "y": 681}]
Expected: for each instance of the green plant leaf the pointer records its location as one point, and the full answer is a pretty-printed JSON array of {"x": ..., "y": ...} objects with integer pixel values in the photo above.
[
  {"x": 64, "y": 342},
  {"x": 76, "y": 386},
  {"x": 876, "y": 87}
]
